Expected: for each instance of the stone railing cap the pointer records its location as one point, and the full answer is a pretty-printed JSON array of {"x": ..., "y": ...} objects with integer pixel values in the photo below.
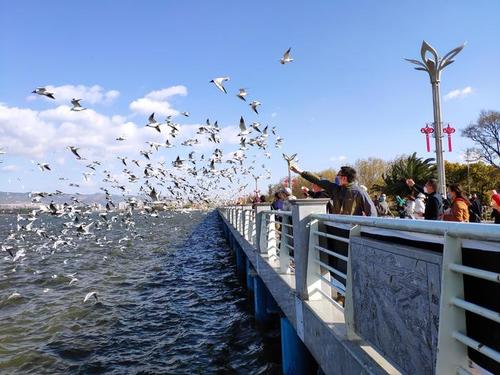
[
  {"x": 263, "y": 204},
  {"x": 310, "y": 202}
]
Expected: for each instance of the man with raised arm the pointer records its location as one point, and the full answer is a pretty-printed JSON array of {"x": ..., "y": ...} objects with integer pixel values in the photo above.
[
  {"x": 434, "y": 204},
  {"x": 348, "y": 198}
]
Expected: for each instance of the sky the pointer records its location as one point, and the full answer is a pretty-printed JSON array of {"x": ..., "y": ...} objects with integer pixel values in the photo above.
[{"x": 347, "y": 95}]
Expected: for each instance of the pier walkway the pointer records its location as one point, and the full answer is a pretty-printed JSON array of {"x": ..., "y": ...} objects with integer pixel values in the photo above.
[{"x": 363, "y": 295}]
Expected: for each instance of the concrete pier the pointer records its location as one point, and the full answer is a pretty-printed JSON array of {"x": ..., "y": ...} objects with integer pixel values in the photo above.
[{"x": 398, "y": 307}]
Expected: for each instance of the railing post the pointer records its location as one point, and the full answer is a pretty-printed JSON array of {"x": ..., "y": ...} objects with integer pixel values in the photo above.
[
  {"x": 301, "y": 209},
  {"x": 259, "y": 228},
  {"x": 284, "y": 250},
  {"x": 349, "y": 303},
  {"x": 451, "y": 354},
  {"x": 313, "y": 269}
]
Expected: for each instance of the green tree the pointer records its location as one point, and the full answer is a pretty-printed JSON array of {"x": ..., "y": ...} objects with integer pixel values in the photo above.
[
  {"x": 477, "y": 178},
  {"x": 370, "y": 171},
  {"x": 420, "y": 170},
  {"x": 486, "y": 135}
]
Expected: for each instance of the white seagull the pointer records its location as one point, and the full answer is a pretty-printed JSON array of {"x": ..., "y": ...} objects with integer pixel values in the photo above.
[
  {"x": 218, "y": 83},
  {"x": 286, "y": 57},
  {"x": 90, "y": 295},
  {"x": 254, "y": 105},
  {"x": 152, "y": 123},
  {"x": 76, "y": 105},
  {"x": 44, "y": 167},
  {"x": 43, "y": 91},
  {"x": 242, "y": 94}
]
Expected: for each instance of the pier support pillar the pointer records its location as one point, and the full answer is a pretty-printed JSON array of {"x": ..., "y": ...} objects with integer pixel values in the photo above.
[
  {"x": 261, "y": 296},
  {"x": 240, "y": 261},
  {"x": 301, "y": 209},
  {"x": 250, "y": 273},
  {"x": 296, "y": 358}
]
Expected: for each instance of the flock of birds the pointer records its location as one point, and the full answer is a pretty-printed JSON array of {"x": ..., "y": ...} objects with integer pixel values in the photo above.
[{"x": 188, "y": 179}]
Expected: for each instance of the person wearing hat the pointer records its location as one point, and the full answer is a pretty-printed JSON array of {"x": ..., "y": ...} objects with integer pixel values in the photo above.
[{"x": 287, "y": 196}]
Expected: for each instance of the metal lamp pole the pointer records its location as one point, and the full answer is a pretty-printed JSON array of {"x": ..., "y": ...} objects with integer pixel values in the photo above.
[
  {"x": 434, "y": 66},
  {"x": 289, "y": 160}
]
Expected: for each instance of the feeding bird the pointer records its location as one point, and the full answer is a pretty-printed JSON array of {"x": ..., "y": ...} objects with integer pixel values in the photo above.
[
  {"x": 43, "y": 91},
  {"x": 218, "y": 82}
]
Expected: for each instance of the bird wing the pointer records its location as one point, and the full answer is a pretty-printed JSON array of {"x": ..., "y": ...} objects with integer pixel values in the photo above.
[{"x": 151, "y": 118}]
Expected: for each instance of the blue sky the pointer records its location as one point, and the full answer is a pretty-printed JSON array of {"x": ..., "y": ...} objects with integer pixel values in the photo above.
[{"x": 349, "y": 94}]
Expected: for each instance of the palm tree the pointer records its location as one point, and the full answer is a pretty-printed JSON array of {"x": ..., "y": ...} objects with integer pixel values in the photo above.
[{"x": 404, "y": 167}]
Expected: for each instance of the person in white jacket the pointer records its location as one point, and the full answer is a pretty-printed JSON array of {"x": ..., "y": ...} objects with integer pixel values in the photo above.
[{"x": 419, "y": 209}]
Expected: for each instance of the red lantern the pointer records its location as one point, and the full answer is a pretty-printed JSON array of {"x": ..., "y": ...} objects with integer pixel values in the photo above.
[
  {"x": 449, "y": 131},
  {"x": 427, "y": 131}
]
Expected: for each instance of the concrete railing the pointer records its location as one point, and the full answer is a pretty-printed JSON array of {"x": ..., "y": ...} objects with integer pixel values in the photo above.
[{"x": 394, "y": 281}]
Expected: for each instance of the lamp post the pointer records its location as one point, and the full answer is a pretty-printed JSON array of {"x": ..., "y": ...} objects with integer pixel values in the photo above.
[
  {"x": 256, "y": 178},
  {"x": 433, "y": 66},
  {"x": 289, "y": 160}
]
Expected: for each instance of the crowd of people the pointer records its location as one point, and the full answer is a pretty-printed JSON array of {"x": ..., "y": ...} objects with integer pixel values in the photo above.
[{"x": 347, "y": 197}]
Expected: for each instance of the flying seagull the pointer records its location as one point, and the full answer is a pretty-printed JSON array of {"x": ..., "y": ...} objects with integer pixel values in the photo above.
[
  {"x": 76, "y": 105},
  {"x": 254, "y": 105},
  {"x": 152, "y": 123},
  {"x": 185, "y": 114},
  {"x": 44, "y": 166},
  {"x": 243, "y": 128},
  {"x": 286, "y": 57},
  {"x": 90, "y": 295},
  {"x": 74, "y": 150},
  {"x": 218, "y": 83},
  {"x": 43, "y": 91},
  {"x": 242, "y": 94}
]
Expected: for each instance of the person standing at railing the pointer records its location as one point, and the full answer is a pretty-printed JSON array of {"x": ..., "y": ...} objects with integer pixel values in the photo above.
[
  {"x": 459, "y": 209},
  {"x": 434, "y": 204},
  {"x": 495, "y": 204},
  {"x": 348, "y": 198}
]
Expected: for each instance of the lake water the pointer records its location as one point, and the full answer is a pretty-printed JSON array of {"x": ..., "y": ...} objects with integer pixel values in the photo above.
[{"x": 169, "y": 301}]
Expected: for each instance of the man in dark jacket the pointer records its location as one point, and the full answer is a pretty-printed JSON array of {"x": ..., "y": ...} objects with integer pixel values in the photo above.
[
  {"x": 476, "y": 209},
  {"x": 347, "y": 197},
  {"x": 434, "y": 204}
]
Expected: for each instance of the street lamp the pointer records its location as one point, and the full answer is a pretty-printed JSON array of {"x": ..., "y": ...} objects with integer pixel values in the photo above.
[
  {"x": 469, "y": 156},
  {"x": 289, "y": 160},
  {"x": 434, "y": 66},
  {"x": 256, "y": 178}
]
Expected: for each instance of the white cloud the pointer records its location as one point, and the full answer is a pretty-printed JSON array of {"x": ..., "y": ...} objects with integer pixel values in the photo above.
[
  {"x": 156, "y": 101},
  {"x": 338, "y": 158},
  {"x": 458, "y": 93},
  {"x": 89, "y": 94},
  {"x": 10, "y": 168}
]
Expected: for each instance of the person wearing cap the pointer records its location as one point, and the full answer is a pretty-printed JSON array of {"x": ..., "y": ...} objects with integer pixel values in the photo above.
[
  {"x": 287, "y": 196},
  {"x": 495, "y": 204},
  {"x": 348, "y": 198}
]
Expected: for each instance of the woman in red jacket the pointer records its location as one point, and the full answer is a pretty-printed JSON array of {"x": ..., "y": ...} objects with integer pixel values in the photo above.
[{"x": 459, "y": 209}]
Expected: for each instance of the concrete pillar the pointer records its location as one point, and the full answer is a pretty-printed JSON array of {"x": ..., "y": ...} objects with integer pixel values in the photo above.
[
  {"x": 301, "y": 209},
  {"x": 259, "y": 207},
  {"x": 250, "y": 274},
  {"x": 296, "y": 358},
  {"x": 240, "y": 261},
  {"x": 260, "y": 294}
]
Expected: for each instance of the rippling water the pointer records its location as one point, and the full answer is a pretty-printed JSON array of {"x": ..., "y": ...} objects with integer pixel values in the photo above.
[{"x": 168, "y": 303}]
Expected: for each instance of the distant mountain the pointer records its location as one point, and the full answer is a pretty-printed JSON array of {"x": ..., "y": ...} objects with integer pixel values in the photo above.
[{"x": 23, "y": 198}]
